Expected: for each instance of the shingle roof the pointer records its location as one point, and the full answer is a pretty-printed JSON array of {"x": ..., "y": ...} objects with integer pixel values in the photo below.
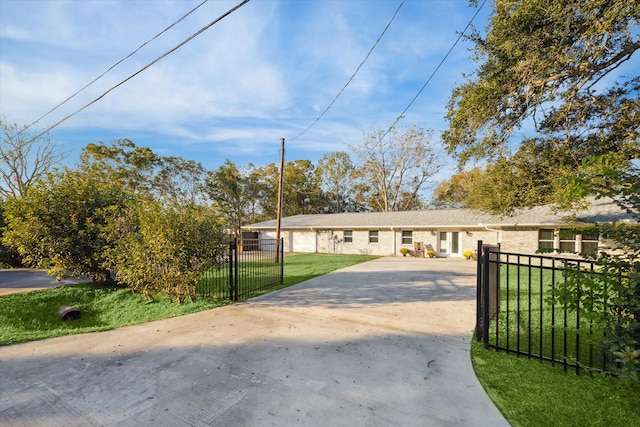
[
  {"x": 603, "y": 210},
  {"x": 598, "y": 211}
]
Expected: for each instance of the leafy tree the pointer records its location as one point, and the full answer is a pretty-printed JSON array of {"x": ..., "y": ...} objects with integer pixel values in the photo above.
[
  {"x": 227, "y": 188},
  {"x": 8, "y": 256},
  {"x": 302, "y": 194},
  {"x": 178, "y": 180},
  {"x": 455, "y": 192},
  {"x": 259, "y": 194},
  {"x": 160, "y": 250},
  {"x": 411, "y": 203},
  {"x": 550, "y": 65},
  {"x": 130, "y": 167},
  {"x": 249, "y": 195},
  {"x": 612, "y": 298},
  {"x": 267, "y": 189},
  {"x": 140, "y": 171},
  {"x": 57, "y": 225},
  {"x": 123, "y": 209},
  {"x": 337, "y": 175},
  {"x": 394, "y": 168},
  {"x": 23, "y": 159}
]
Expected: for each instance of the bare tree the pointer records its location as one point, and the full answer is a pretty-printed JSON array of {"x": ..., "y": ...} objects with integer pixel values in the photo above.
[
  {"x": 395, "y": 166},
  {"x": 23, "y": 159}
]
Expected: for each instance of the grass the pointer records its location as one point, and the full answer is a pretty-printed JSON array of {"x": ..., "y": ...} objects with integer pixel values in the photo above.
[
  {"x": 253, "y": 274},
  {"x": 34, "y": 315},
  {"x": 303, "y": 267},
  {"x": 529, "y": 322},
  {"x": 532, "y": 393}
]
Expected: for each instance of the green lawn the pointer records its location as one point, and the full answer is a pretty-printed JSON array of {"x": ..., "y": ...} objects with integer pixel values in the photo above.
[
  {"x": 528, "y": 321},
  {"x": 530, "y": 392},
  {"x": 533, "y": 393},
  {"x": 34, "y": 315},
  {"x": 254, "y": 273}
]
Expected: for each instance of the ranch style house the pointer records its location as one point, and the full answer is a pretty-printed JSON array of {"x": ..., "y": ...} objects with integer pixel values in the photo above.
[{"x": 447, "y": 232}]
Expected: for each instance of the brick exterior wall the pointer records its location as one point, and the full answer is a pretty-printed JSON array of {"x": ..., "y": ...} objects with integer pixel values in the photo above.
[{"x": 522, "y": 240}]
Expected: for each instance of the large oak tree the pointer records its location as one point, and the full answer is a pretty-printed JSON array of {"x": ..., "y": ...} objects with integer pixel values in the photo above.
[{"x": 551, "y": 70}]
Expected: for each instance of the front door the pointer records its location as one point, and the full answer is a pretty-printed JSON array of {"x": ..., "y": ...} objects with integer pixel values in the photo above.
[{"x": 449, "y": 243}]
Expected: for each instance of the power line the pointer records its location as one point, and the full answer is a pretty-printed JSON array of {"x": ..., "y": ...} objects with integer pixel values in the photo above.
[
  {"x": 178, "y": 46},
  {"x": 434, "y": 71},
  {"x": 115, "y": 65},
  {"x": 352, "y": 76}
]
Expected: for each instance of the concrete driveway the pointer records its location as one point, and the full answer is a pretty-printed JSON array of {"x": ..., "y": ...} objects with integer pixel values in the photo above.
[{"x": 383, "y": 343}]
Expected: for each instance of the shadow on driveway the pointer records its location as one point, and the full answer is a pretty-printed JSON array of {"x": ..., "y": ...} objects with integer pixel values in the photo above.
[{"x": 377, "y": 354}]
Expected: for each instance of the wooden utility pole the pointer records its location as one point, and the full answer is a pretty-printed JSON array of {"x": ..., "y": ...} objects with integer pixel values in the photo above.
[{"x": 280, "y": 196}]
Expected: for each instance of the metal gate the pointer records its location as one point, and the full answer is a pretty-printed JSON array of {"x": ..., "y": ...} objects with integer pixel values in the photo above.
[
  {"x": 541, "y": 307},
  {"x": 248, "y": 267}
]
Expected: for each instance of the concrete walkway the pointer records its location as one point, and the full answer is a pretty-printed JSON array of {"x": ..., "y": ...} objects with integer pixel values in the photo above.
[{"x": 383, "y": 343}]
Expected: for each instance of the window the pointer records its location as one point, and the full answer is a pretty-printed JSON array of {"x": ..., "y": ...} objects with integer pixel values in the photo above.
[
  {"x": 567, "y": 240},
  {"x": 347, "y": 236},
  {"x": 545, "y": 240},
  {"x": 444, "y": 246},
  {"x": 407, "y": 237},
  {"x": 590, "y": 243},
  {"x": 455, "y": 242},
  {"x": 373, "y": 236}
]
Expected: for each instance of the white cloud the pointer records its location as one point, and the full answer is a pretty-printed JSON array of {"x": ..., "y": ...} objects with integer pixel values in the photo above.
[
  {"x": 28, "y": 93},
  {"x": 15, "y": 32},
  {"x": 264, "y": 72}
]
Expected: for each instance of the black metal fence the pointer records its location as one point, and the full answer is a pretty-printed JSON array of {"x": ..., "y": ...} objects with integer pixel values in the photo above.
[
  {"x": 530, "y": 305},
  {"x": 248, "y": 267}
]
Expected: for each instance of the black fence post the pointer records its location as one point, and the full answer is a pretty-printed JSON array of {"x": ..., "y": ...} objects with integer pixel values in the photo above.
[
  {"x": 485, "y": 296},
  {"x": 233, "y": 270},
  {"x": 479, "y": 291},
  {"x": 236, "y": 276},
  {"x": 281, "y": 249},
  {"x": 230, "y": 267}
]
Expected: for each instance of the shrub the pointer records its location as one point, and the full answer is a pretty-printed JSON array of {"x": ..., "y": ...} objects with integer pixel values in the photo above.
[
  {"x": 57, "y": 225},
  {"x": 431, "y": 253},
  {"x": 467, "y": 254},
  {"x": 159, "y": 250},
  {"x": 613, "y": 300},
  {"x": 404, "y": 251}
]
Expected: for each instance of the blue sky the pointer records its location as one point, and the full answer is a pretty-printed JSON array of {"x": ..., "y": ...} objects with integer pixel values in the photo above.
[{"x": 265, "y": 72}]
